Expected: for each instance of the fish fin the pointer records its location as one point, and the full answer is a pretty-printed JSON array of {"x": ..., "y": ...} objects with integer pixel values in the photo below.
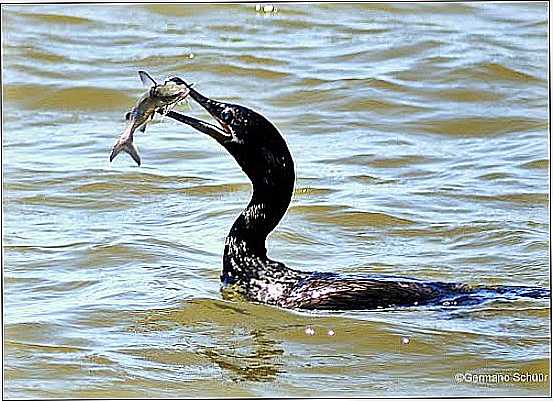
[
  {"x": 142, "y": 128},
  {"x": 146, "y": 79}
]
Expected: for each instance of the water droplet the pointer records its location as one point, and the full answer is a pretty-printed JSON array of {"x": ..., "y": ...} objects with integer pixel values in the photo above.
[
  {"x": 331, "y": 332},
  {"x": 405, "y": 340},
  {"x": 191, "y": 55},
  {"x": 258, "y": 7},
  {"x": 310, "y": 331},
  {"x": 268, "y": 8}
]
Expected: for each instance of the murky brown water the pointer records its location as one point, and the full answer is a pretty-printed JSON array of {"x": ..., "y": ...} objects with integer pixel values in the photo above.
[{"x": 420, "y": 135}]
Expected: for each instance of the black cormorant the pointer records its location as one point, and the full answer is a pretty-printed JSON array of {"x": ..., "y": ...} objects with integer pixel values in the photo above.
[{"x": 248, "y": 273}]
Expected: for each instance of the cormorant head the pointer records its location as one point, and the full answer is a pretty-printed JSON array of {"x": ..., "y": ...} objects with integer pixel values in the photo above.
[
  {"x": 236, "y": 123},
  {"x": 249, "y": 137}
]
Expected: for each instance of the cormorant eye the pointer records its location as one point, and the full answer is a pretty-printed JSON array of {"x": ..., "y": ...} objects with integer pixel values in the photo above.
[{"x": 227, "y": 115}]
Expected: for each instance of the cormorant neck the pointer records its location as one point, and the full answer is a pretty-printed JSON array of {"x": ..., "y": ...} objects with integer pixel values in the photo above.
[
  {"x": 271, "y": 171},
  {"x": 263, "y": 155},
  {"x": 260, "y": 217}
]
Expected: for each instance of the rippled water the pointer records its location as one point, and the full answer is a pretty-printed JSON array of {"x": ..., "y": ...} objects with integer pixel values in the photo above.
[{"x": 420, "y": 135}]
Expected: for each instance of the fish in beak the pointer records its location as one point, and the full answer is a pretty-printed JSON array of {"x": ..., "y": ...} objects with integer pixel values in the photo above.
[{"x": 160, "y": 98}]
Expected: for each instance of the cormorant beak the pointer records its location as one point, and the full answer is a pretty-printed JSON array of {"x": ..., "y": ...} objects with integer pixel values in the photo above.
[{"x": 220, "y": 134}]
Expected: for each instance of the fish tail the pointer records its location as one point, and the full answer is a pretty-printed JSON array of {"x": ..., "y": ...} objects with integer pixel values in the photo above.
[
  {"x": 127, "y": 147},
  {"x": 131, "y": 149}
]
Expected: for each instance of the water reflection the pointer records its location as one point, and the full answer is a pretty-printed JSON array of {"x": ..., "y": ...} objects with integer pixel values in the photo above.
[
  {"x": 221, "y": 334},
  {"x": 256, "y": 361}
]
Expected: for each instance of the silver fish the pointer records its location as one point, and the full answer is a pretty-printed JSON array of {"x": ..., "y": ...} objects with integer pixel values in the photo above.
[{"x": 160, "y": 98}]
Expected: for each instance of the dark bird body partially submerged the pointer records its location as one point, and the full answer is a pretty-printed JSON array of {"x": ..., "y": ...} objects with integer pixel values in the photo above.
[{"x": 248, "y": 273}]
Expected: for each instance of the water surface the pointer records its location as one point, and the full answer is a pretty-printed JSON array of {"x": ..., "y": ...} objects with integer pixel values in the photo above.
[{"x": 420, "y": 136}]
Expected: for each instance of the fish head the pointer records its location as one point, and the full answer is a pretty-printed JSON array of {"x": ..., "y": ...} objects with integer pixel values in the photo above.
[{"x": 170, "y": 93}]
